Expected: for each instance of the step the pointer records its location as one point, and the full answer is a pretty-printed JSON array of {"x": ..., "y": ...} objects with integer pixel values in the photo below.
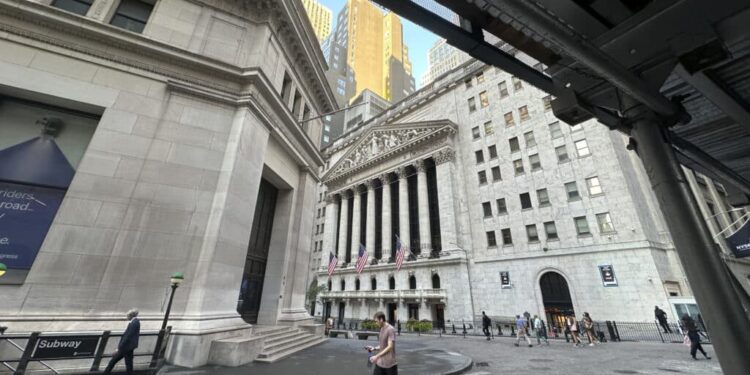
[
  {"x": 280, "y": 348},
  {"x": 277, "y": 356},
  {"x": 283, "y": 340},
  {"x": 276, "y": 335},
  {"x": 266, "y": 331}
]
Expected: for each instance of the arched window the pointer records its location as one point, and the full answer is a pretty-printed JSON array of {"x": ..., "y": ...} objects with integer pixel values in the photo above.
[
  {"x": 391, "y": 283},
  {"x": 435, "y": 281},
  {"x": 343, "y": 284},
  {"x": 412, "y": 282},
  {"x": 330, "y": 287},
  {"x": 356, "y": 284},
  {"x": 374, "y": 284}
]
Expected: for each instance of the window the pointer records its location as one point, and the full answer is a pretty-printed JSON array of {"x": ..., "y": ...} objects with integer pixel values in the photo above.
[
  {"x": 562, "y": 154},
  {"x": 305, "y": 112},
  {"x": 475, "y": 132},
  {"x": 542, "y": 197},
  {"x": 483, "y": 99},
  {"x": 491, "y": 241},
  {"x": 501, "y": 207},
  {"x": 391, "y": 283},
  {"x": 523, "y": 112},
  {"x": 529, "y": 138},
  {"x": 296, "y": 103},
  {"x": 479, "y": 155},
  {"x": 547, "y": 102},
  {"x": 507, "y": 238},
  {"x": 531, "y": 233},
  {"x": 536, "y": 164},
  {"x": 480, "y": 77},
  {"x": 509, "y": 121},
  {"x": 518, "y": 166},
  {"x": 74, "y": 6},
  {"x": 472, "y": 105},
  {"x": 322, "y": 228},
  {"x": 324, "y": 212},
  {"x": 343, "y": 284},
  {"x": 467, "y": 82},
  {"x": 576, "y": 127},
  {"x": 554, "y": 130},
  {"x": 517, "y": 84},
  {"x": 318, "y": 214},
  {"x": 489, "y": 128},
  {"x": 503, "y": 89},
  {"x": 325, "y": 138},
  {"x": 286, "y": 88},
  {"x": 514, "y": 144},
  {"x": 412, "y": 282},
  {"x": 487, "y": 209},
  {"x": 572, "y": 190},
  {"x": 356, "y": 284},
  {"x": 493, "y": 151},
  {"x": 482, "y": 177},
  {"x": 496, "y": 174},
  {"x": 132, "y": 15},
  {"x": 582, "y": 148},
  {"x": 435, "y": 281},
  {"x": 605, "y": 223},
  {"x": 550, "y": 230},
  {"x": 582, "y": 226},
  {"x": 594, "y": 187},
  {"x": 317, "y": 229},
  {"x": 373, "y": 284},
  {"x": 525, "y": 201}
]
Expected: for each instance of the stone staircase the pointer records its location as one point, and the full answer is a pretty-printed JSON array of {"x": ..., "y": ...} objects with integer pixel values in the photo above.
[{"x": 279, "y": 342}]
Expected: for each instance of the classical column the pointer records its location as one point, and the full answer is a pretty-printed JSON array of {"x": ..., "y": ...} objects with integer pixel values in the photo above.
[
  {"x": 356, "y": 224},
  {"x": 403, "y": 207},
  {"x": 386, "y": 235},
  {"x": 370, "y": 224},
  {"x": 329, "y": 234},
  {"x": 343, "y": 223},
  {"x": 424, "y": 310},
  {"x": 363, "y": 312},
  {"x": 446, "y": 196},
  {"x": 424, "y": 208}
]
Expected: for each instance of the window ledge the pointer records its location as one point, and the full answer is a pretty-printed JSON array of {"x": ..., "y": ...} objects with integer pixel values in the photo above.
[
  {"x": 584, "y": 235},
  {"x": 563, "y": 161},
  {"x": 596, "y": 195},
  {"x": 553, "y": 239},
  {"x": 585, "y": 156},
  {"x": 545, "y": 205}
]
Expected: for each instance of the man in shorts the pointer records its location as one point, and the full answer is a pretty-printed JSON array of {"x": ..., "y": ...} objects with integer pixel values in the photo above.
[{"x": 385, "y": 360}]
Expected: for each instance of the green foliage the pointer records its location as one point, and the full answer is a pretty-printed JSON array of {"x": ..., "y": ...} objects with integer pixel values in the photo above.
[
  {"x": 369, "y": 325},
  {"x": 313, "y": 291},
  {"x": 414, "y": 325}
]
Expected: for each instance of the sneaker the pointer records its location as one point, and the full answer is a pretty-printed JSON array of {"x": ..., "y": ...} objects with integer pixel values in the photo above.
[
  {"x": 707, "y": 357},
  {"x": 592, "y": 344},
  {"x": 530, "y": 346},
  {"x": 516, "y": 344}
]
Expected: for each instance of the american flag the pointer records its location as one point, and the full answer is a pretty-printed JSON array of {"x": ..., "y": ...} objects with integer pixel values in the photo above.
[
  {"x": 362, "y": 259},
  {"x": 400, "y": 253},
  {"x": 332, "y": 261}
]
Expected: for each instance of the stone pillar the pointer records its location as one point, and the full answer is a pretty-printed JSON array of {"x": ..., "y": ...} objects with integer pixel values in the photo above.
[
  {"x": 329, "y": 233},
  {"x": 446, "y": 193},
  {"x": 387, "y": 236},
  {"x": 425, "y": 238},
  {"x": 370, "y": 223},
  {"x": 403, "y": 208},
  {"x": 363, "y": 312},
  {"x": 343, "y": 226},
  {"x": 424, "y": 310},
  {"x": 356, "y": 224},
  {"x": 102, "y": 10}
]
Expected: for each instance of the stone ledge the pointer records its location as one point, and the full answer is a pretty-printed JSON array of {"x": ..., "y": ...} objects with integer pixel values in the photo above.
[{"x": 235, "y": 351}]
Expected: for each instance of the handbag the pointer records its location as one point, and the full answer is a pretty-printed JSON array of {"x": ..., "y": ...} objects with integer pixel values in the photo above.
[{"x": 686, "y": 341}]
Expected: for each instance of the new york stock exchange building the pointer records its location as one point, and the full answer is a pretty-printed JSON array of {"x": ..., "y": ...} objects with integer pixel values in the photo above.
[{"x": 502, "y": 207}]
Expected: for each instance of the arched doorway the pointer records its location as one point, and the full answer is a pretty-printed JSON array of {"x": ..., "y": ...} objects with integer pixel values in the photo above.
[{"x": 556, "y": 298}]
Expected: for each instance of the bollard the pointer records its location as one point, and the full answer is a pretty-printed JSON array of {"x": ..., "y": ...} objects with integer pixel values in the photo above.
[
  {"x": 464, "y": 330},
  {"x": 512, "y": 330},
  {"x": 454, "y": 328},
  {"x": 499, "y": 329},
  {"x": 398, "y": 325}
]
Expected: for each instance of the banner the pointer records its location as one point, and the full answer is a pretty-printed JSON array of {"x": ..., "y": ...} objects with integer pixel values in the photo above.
[
  {"x": 739, "y": 241},
  {"x": 608, "y": 275}
]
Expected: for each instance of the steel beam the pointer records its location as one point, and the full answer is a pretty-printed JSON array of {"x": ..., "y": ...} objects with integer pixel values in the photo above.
[{"x": 729, "y": 102}]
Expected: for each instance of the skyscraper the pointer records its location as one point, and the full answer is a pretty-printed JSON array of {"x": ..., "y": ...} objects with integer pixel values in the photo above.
[
  {"x": 441, "y": 58},
  {"x": 320, "y": 18}
]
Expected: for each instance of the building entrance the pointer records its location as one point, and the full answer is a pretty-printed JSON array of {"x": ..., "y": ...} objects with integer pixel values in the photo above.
[
  {"x": 556, "y": 299},
  {"x": 392, "y": 313},
  {"x": 257, "y": 253}
]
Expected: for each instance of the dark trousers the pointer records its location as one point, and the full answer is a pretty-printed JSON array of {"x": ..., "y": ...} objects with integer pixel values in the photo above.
[
  {"x": 117, "y": 357},
  {"x": 486, "y": 331},
  {"x": 664, "y": 325},
  {"x": 385, "y": 371},
  {"x": 696, "y": 346}
]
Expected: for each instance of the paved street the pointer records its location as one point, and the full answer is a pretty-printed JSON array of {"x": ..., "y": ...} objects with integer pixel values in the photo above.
[{"x": 499, "y": 356}]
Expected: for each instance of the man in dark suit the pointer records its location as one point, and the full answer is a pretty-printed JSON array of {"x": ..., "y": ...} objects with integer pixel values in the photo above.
[{"x": 128, "y": 343}]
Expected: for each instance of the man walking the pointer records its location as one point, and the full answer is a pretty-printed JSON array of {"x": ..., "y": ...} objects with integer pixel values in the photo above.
[
  {"x": 486, "y": 323},
  {"x": 541, "y": 330},
  {"x": 661, "y": 316},
  {"x": 128, "y": 343},
  {"x": 385, "y": 360},
  {"x": 521, "y": 325}
]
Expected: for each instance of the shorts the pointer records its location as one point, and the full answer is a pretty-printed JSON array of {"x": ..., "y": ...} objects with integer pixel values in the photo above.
[{"x": 385, "y": 371}]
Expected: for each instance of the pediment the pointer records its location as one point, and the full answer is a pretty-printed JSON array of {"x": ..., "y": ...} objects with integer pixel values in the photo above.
[{"x": 386, "y": 141}]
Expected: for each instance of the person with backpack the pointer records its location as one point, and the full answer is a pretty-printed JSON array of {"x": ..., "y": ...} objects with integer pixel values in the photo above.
[
  {"x": 541, "y": 330},
  {"x": 486, "y": 323}
]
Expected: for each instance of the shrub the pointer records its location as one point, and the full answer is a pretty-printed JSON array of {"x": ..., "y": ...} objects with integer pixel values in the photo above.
[
  {"x": 418, "y": 326},
  {"x": 369, "y": 325}
]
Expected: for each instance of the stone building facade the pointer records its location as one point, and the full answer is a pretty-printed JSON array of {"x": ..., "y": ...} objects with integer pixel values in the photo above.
[
  {"x": 180, "y": 123},
  {"x": 506, "y": 208}
]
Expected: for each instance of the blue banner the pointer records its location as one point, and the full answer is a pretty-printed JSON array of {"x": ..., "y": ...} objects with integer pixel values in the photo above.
[{"x": 739, "y": 242}]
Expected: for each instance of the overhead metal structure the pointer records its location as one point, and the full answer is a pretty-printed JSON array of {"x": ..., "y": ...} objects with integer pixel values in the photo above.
[{"x": 673, "y": 74}]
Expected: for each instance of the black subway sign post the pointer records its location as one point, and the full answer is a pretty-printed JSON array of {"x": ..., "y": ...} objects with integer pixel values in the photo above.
[{"x": 51, "y": 347}]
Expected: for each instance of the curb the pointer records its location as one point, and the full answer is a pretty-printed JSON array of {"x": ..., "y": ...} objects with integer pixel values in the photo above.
[{"x": 466, "y": 366}]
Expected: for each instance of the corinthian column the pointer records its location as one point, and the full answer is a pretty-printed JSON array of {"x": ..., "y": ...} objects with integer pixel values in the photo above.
[
  {"x": 356, "y": 224},
  {"x": 423, "y": 207},
  {"x": 387, "y": 236},
  {"x": 329, "y": 234},
  {"x": 403, "y": 208},
  {"x": 370, "y": 223},
  {"x": 343, "y": 226},
  {"x": 447, "y": 204}
]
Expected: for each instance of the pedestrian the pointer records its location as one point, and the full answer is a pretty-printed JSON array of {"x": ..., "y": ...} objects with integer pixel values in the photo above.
[
  {"x": 541, "y": 330},
  {"x": 661, "y": 317},
  {"x": 573, "y": 328},
  {"x": 329, "y": 325},
  {"x": 693, "y": 335},
  {"x": 486, "y": 323},
  {"x": 521, "y": 325},
  {"x": 588, "y": 326},
  {"x": 527, "y": 316},
  {"x": 385, "y": 360},
  {"x": 128, "y": 343}
]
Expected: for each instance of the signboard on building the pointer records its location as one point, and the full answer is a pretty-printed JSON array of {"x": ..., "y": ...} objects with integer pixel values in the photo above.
[
  {"x": 504, "y": 279},
  {"x": 51, "y": 347},
  {"x": 608, "y": 275},
  {"x": 739, "y": 241}
]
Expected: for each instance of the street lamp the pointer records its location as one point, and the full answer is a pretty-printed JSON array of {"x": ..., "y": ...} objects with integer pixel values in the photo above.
[
  {"x": 3, "y": 269},
  {"x": 175, "y": 280}
]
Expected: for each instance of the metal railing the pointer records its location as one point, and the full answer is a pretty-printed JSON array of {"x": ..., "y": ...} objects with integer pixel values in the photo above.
[{"x": 27, "y": 346}]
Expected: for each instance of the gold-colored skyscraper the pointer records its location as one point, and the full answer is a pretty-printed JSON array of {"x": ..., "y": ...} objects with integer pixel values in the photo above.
[{"x": 320, "y": 18}]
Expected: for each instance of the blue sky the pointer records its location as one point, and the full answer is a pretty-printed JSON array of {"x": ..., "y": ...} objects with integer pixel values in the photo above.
[{"x": 416, "y": 38}]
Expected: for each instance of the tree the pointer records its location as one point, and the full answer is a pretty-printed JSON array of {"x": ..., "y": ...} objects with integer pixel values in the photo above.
[{"x": 312, "y": 293}]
